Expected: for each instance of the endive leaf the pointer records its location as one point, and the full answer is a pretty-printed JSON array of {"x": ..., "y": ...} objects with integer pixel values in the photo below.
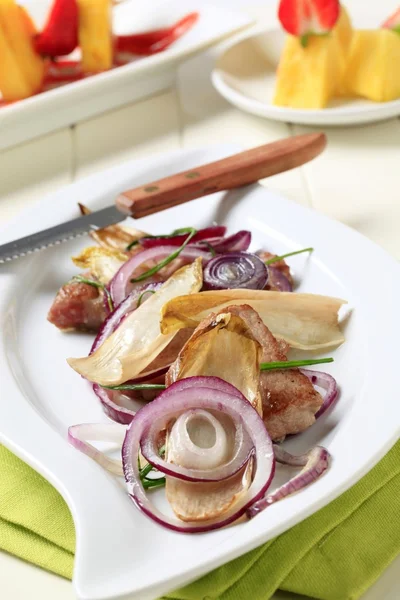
[
  {"x": 138, "y": 340},
  {"x": 304, "y": 321}
]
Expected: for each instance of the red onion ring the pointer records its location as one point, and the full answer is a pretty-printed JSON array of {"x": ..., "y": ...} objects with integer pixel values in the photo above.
[
  {"x": 235, "y": 270},
  {"x": 243, "y": 451},
  {"x": 118, "y": 285},
  {"x": 216, "y": 231},
  {"x": 326, "y": 382},
  {"x": 278, "y": 280},
  {"x": 78, "y": 436},
  {"x": 178, "y": 398},
  {"x": 114, "y": 411},
  {"x": 315, "y": 463},
  {"x": 127, "y": 305}
]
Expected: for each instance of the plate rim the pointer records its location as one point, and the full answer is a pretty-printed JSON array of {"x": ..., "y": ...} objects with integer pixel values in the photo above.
[{"x": 50, "y": 472}]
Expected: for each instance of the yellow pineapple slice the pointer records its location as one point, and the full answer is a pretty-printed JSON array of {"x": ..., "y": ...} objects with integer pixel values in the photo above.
[
  {"x": 344, "y": 33},
  {"x": 95, "y": 35},
  {"x": 343, "y": 30},
  {"x": 13, "y": 85},
  {"x": 308, "y": 77},
  {"x": 373, "y": 65},
  {"x": 17, "y": 35}
]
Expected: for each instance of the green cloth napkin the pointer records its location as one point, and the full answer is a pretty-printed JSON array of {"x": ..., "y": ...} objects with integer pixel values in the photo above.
[{"x": 335, "y": 554}]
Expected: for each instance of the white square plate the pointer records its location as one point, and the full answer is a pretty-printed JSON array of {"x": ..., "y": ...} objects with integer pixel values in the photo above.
[
  {"x": 120, "y": 551},
  {"x": 83, "y": 99}
]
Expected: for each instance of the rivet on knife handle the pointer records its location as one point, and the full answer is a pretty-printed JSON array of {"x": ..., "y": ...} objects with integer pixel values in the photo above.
[{"x": 232, "y": 172}]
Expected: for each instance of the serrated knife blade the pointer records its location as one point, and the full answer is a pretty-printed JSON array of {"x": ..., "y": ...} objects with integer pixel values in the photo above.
[
  {"x": 60, "y": 233},
  {"x": 225, "y": 174}
]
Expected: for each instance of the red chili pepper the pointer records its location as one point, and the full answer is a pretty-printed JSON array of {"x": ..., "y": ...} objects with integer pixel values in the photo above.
[
  {"x": 60, "y": 35},
  {"x": 155, "y": 41}
]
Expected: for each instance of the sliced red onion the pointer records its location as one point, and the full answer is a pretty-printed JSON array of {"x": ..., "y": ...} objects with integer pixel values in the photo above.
[
  {"x": 216, "y": 231},
  {"x": 196, "y": 463},
  {"x": 327, "y": 383},
  {"x": 278, "y": 280},
  {"x": 116, "y": 412},
  {"x": 315, "y": 462},
  {"x": 119, "y": 285},
  {"x": 125, "y": 307},
  {"x": 235, "y": 270},
  {"x": 181, "y": 396},
  {"x": 238, "y": 242},
  {"x": 78, "y": 436},
  {"x": 285, "y": 458}
]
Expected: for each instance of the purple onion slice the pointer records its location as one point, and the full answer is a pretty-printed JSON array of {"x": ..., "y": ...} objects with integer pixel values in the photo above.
[
  {"x": 315, "y": 463},
  {"x": 238, "y": 242},
  {"x": 112, "y": 402},
  {"x": 235, "y": 270},
  {"x": 184, "y": 395},
  {"x": 120, "y": 283},
  {"x": 242, "y": 451},
  {"x": 216, "y": 231},
  {"x": 327, "y": 383},
  {"x": 79, "y": 436}
]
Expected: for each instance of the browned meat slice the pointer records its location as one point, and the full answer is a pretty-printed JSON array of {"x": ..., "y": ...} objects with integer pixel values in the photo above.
[
  {"x": 289, "y": 399},
  {"x": 77, "y": 306},
  {"x": 280, "y": 265}
]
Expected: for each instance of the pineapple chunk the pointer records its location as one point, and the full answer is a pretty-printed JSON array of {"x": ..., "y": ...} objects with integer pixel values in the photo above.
[
  {"x": 18, "y": 37},
  {"x": 343, "y": 30},
  {"x": 344, "y": 33},
  {"x": 308, "y": 77},
  {"x": 95, "y": 35},
  {"x": 13, "y": 85},
  {"x": 373, "y": 65}
]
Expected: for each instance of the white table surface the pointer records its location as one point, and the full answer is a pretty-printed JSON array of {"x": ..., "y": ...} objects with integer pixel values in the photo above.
[{"x": 356, "y": 180}]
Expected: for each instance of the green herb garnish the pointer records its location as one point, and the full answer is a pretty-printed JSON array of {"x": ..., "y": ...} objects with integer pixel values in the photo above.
[
  {"x": 180, "y": 231},
  {"x": 143, "y": 473},
  {"x": 139, "y": 302},
  {"x": 132, "y": 244},
  {"x": 98, "y": 285},
  {"x": 278, "y": 258},
  {"x": 290, "y": 364},
  {"x": 210, "y": 248},
  {"x": 166, "y": 260}
]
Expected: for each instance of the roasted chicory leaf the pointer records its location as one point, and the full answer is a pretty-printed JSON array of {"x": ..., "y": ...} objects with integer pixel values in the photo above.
[
  {"x": 102, "y": 263},
  {"x": 304, "y": 321},
  {"x": 138, "y": 340}
]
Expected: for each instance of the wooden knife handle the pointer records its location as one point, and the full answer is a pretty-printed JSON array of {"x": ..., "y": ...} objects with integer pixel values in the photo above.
[{"x": 228, "y": 173}]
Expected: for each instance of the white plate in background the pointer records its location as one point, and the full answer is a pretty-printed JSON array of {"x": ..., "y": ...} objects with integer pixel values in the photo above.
[
  {"x": 245, "y": 75},
  {"x": 119, "y": 550},
  {"x": 83, "y": 99}
]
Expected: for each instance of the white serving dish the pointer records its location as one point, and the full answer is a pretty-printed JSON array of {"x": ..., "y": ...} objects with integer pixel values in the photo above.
[
  {"x": 120, "y": 552},
  {"x": 75, "y": 102}
]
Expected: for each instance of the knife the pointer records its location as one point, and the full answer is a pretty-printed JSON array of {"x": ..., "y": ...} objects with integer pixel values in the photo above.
[{"x": 232, "y": 172}]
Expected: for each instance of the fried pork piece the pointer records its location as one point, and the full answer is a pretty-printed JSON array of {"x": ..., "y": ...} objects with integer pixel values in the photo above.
[
  {"x": 289, "y": 399},
  {"x": 78, "y": 306}
]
